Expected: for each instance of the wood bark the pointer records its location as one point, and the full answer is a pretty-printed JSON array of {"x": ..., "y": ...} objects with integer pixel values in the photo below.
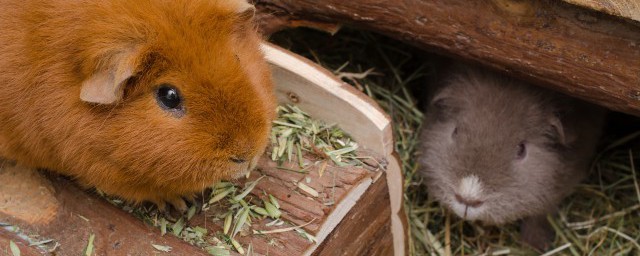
[{"x": 580, "y": 52}]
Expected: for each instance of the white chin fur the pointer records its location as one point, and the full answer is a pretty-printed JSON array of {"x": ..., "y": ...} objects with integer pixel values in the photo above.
[
  {"x": 241, "y": 174},
  {"x": 467, "y": 213}
]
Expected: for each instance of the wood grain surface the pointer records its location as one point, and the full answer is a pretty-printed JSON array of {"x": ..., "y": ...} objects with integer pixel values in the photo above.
[
  {"x": 76, "y": 216},
  {"x": 6, "y": 237},
  {"x": 72, "y": 215},
  {"x": 300, "y": 208},
  {"x": 366, "y": 231},
  {"x": 574, "y": 50},
  {"x": 316, "y": 90},
  {"x": 629, "y": 9}
]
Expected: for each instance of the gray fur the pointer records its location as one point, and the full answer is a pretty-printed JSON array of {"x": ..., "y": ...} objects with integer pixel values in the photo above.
[{"x": 493, "y": 114}]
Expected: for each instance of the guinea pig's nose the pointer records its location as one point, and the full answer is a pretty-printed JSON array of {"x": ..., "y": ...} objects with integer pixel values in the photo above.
[{"x": 468, "y": 202}]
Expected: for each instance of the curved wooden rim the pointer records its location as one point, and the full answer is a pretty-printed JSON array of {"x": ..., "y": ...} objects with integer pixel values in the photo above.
[{"x": 363, "y": 105}]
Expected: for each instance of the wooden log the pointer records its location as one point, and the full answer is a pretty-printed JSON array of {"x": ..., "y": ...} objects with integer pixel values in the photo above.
[
  {"x": 573, "y": 50},
  {"x": 629, "y": 9}
]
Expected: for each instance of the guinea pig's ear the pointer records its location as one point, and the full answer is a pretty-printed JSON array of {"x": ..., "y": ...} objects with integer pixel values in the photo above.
[
  {"x": 244, "y": 10},
  {"x": 558, "y": 129},
  {"x": 443, "y": 108},
  {"x": 106, "y": 84}
]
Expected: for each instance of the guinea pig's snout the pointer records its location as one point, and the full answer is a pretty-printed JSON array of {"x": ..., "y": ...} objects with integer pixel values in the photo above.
[
  {"x": 468, "y": 200},
  {"x": 470, "y": 191},
  {"x": 249, "y": 162},
  {"x": 237, "y": 159},
  {"x": 246, "y": 165}
]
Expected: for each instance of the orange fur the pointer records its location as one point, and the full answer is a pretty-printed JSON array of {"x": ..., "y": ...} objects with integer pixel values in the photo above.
[{"x": 133, "y": 148}]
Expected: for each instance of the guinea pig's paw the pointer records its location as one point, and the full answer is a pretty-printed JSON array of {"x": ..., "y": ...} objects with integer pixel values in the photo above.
[
  {"x": 191, "y": 199},
  {"x": 536, "y": 232},
  {"x": 178, "y": 204},
  {"x": 195, "y": 200},
  {"x": 171, "y": 210},
  {"x": 191, "y": 202},
  {"x": 178, "y": 207},
  {"x": 166, "y": 205},
  {"x": 160, "y": 204}
]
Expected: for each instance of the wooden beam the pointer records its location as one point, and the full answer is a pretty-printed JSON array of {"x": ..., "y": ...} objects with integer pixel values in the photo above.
[
  {"x": 629, "y": 9},
  {"x": 577, "y": 51}
]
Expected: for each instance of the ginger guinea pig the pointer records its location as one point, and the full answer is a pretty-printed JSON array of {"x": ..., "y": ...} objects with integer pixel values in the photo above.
[
  {"x": 496, "y": 150},
  {"x": 148, "y": 100}
]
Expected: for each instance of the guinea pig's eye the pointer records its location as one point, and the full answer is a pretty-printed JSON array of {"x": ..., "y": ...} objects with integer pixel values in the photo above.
[
  {"x": 522, "y": 150},
  {"x": 455, "y": 132},
  {"x": 168, "y": 96}
]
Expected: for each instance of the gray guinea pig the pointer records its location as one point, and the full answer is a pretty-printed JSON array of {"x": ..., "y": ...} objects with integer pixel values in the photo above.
[{"x": 496, "y": 150}]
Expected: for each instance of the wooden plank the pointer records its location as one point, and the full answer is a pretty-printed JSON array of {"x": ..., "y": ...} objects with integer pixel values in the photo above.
[
  {"x": 629, "y": 9},
  {"x": 70, "y": 216},
  {"x": 572, "y": 50},
  {"x": 335, "y": 185},
  {"x": 6, "y": 237},
  {"x": 342, "y": 185},
  {"x": 364, "y": 231},
  {"x": 303, "y": 83}
]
